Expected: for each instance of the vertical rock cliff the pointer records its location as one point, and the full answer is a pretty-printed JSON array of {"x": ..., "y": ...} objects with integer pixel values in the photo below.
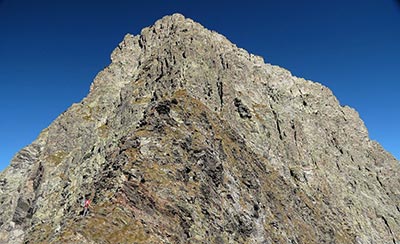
[{"x": 186, "y": 138}]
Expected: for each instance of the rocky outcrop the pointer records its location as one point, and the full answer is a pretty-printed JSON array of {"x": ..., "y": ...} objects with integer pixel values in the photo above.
[{"x": 185, "y": 138}]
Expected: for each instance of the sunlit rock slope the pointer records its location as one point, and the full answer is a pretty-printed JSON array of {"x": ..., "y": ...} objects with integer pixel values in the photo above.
[{"x": 186, "y": 138}]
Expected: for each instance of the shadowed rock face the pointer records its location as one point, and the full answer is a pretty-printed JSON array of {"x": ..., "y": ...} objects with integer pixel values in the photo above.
[{"x": 185, "y": 138}]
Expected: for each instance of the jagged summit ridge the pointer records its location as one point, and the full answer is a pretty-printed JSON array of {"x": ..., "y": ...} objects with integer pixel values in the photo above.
[
  {"x": 180, "y": 35},
  {"x": 185, "y": 138}
]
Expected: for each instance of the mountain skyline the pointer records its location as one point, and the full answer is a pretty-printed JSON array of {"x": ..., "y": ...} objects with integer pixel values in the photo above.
[
  {"x": 52, "y": 51},
  {"x": 186, "y": 138}
]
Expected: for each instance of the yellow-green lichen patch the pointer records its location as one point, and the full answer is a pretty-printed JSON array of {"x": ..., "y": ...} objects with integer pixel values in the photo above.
[{"x": 56, "y": 158}]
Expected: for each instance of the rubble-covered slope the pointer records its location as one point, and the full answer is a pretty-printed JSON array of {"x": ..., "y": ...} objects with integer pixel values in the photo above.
[{"x": 185, "y": 138}]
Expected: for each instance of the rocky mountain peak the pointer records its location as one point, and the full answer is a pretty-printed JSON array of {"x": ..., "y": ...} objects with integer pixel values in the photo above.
[{"x": 186, "y": 138}]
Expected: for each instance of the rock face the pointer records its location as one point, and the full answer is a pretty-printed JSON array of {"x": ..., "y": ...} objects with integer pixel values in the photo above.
[{"x": 185, "y": 138}]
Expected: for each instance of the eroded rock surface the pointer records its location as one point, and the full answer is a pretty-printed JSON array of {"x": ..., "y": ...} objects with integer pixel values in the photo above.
[{"x": 185, "y": 138}]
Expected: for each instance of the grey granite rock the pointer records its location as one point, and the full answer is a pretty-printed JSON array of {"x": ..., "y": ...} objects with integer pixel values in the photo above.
[{"x": 185, "y": 138}]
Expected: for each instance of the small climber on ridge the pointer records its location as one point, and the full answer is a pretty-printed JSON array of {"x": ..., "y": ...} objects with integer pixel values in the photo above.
[{"x": 86, "y": 207}]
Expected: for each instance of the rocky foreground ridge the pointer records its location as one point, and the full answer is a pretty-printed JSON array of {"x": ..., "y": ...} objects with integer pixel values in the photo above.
[{"x": 185, "y": 138}]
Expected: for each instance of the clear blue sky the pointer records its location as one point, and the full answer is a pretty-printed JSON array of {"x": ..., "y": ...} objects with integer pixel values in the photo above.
[{"x": 50, "y": 51}]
